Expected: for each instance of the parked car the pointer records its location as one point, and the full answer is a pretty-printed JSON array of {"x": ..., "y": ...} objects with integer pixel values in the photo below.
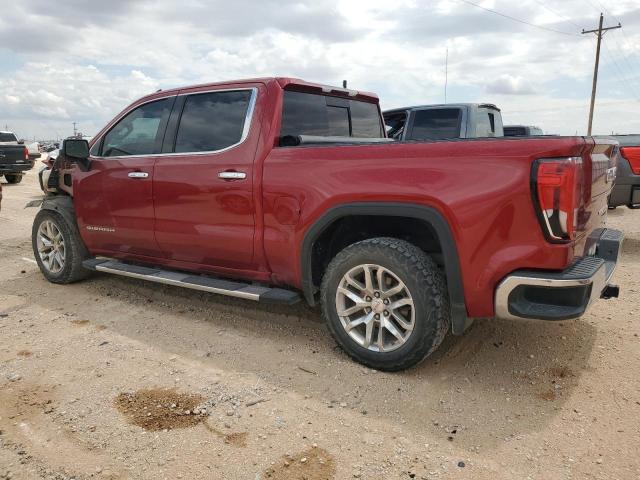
[
  {"x": 626, "y": 190},
  {"x": 442, "y": 122},
  {"x": 276, "y": 189},
  {"x": 522, "y": 131},
  {"x": 14, "y": 158}
]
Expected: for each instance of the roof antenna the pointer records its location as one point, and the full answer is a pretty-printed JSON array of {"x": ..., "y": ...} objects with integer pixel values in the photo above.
[
  {"x": 344, "y": 84},
  {"x": 446, "y": 74}
]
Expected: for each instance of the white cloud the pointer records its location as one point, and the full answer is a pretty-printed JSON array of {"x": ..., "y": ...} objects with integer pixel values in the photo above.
[
  {"x": 510, "y": 85},
  {"x": 120, "y": 50}
]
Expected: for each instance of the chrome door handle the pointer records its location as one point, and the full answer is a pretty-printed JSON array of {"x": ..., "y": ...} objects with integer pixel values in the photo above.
[
  {"x": 232, "y": 175},
  {"x": 138, "y": 175}
]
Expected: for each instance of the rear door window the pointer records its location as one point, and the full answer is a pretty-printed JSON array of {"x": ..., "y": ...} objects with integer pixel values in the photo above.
[
  {"x": 212, "y": 121},
  {"x": 326, "y": 116},
  {"x": 436, "y": 124}
]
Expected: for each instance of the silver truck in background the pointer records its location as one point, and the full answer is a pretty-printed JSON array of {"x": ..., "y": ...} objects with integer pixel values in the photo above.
[{"x": 444, "y": 122}]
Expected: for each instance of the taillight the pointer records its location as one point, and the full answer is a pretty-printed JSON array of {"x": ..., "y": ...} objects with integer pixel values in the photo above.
[
  {"x": 557, "y": 185},
  {"x": 632, "y": 154},
  {"x": 26, "y": 153}
]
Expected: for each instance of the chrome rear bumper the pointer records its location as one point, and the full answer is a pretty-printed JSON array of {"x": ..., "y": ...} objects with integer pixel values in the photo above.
[{"x": 545, "y": 295}]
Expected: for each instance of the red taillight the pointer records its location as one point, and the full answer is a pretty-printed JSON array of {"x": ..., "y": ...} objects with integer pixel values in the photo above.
[
  {"x": 558, "y": 188},
  {"x": 632, "y": 154},
  {"x": 26, "y": 153}
]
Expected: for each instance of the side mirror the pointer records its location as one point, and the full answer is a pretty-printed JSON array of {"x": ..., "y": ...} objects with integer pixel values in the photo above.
[
  {"x": 77, "y": 150},
  {"x": 21, "y": 142}
]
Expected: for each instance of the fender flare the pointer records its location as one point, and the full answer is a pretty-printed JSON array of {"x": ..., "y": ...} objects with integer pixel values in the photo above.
[
  {"x": 63, "y": 205},
  {"x": 459, "y": 319}
]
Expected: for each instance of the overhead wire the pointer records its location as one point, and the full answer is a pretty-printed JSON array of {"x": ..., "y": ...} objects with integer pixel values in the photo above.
[{"x": 504, "y": 15}]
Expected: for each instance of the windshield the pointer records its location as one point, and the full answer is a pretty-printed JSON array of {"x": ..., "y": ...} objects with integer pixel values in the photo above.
[{"x": 7, "y": 137}]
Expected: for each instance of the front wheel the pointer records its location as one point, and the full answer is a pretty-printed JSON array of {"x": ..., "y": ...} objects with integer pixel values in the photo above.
[
  {"x": 386, "y": 303},
  {"x": 57, "y": 248},
  {"x": 13, "y": 177}
]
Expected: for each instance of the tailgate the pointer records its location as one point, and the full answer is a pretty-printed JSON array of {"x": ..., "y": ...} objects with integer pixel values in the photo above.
[
  {"x": 600, "y": 162},
  {"x": 11, "y": 153}
]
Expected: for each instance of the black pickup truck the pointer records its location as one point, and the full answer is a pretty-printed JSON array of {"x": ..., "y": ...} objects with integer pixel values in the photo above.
[{"x": 14, "y": 158}]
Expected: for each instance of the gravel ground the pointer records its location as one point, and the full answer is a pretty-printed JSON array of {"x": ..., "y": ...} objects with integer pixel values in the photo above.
[{"x": 116, "y": 378}]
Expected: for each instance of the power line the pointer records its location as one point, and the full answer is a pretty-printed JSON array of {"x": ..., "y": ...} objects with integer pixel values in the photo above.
[
  {"x": 543, "y": 5},
  {"x": 624, "y": 33},
  {"x": 622, "y": 77},
  {"x": 504, "y": 15}
]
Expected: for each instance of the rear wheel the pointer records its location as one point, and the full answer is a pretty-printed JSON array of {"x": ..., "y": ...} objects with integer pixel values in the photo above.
[
  {"x": 57, "y": 248},
  {"x": 13, "y": 177},
  {"x": 385, "y": 302}
]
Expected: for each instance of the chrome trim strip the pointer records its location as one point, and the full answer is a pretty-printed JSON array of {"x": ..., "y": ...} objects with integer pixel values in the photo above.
[
  {"x": 245, "y": 293},
  {"x": 245, "y": 130}
]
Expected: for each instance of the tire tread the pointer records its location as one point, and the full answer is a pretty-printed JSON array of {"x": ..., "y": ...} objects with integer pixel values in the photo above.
[{"x": 424, "y": 271}]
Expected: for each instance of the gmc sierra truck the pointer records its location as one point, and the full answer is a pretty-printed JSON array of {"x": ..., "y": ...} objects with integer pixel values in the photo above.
[
  {"x": 14, "y": 158},
  {"x": 274, "y": 190}
]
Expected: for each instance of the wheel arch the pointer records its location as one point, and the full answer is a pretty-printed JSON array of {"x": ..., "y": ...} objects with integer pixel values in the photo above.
[
  {"x": 429, "y": 216},
  {"x": 63, "y": 205}
]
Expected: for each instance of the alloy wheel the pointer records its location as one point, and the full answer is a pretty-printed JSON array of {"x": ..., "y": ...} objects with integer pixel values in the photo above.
[{"x": 375, "y": 308}]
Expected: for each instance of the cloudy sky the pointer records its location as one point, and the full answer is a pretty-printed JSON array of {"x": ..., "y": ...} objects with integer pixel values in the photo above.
[{"x": 83, "y": 61}]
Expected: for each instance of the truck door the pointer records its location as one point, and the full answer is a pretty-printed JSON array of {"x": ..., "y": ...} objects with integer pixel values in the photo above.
[
  {"x": 114, "y": 199},
  {"x": 203, "y": 189}
]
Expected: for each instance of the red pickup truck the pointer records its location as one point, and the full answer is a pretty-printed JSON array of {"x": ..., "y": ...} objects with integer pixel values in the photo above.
[{"x": 276, "y": 189}]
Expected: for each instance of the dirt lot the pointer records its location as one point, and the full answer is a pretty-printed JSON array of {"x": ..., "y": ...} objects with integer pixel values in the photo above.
[{"x": 115, "y": 378}]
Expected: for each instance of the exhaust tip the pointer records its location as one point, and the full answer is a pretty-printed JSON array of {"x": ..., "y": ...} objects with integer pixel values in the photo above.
[{"x": 610, "y": 291}]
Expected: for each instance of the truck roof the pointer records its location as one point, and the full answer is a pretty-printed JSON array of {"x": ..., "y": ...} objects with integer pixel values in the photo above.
[
  {"x": 283, "y": 82},
  {"x": 444, "y": 105}
]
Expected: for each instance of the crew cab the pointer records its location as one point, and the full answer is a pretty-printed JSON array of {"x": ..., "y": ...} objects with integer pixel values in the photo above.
[
  {"x": 14, "y": 158},
  {"x": 444, "y": 122},
  {"x": 277, "y": 189}
]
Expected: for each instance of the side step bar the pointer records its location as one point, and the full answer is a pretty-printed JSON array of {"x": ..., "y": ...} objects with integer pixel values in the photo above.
[{"x": 195, "y": 282}]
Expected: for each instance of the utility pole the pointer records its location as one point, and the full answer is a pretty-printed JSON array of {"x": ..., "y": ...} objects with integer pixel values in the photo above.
[
  {"x": 74, "y": 129},
  {"x": 599, "y": 33}
]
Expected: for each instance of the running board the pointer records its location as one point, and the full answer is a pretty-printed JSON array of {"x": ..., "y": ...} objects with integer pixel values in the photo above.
[{"x": 194, "y": 282}]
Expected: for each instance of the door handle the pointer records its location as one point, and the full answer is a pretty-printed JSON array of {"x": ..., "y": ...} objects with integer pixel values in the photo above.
[
  {"x": 232, "y": 175},
  {"x": 138, "y": 175}
]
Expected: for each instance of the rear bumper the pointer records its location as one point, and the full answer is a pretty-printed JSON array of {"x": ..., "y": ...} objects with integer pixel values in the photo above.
[
  {"x": 544, "y": 295},
  {"x": 16, "y": 167},
  {"x": 625, "y": 194}
]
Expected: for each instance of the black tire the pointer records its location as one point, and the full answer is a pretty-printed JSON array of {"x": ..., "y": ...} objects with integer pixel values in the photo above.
[
  {"x": 423, "y": 279},
  {"x": 13, "y": 178},
  {"x": 75, "y": 251}
]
